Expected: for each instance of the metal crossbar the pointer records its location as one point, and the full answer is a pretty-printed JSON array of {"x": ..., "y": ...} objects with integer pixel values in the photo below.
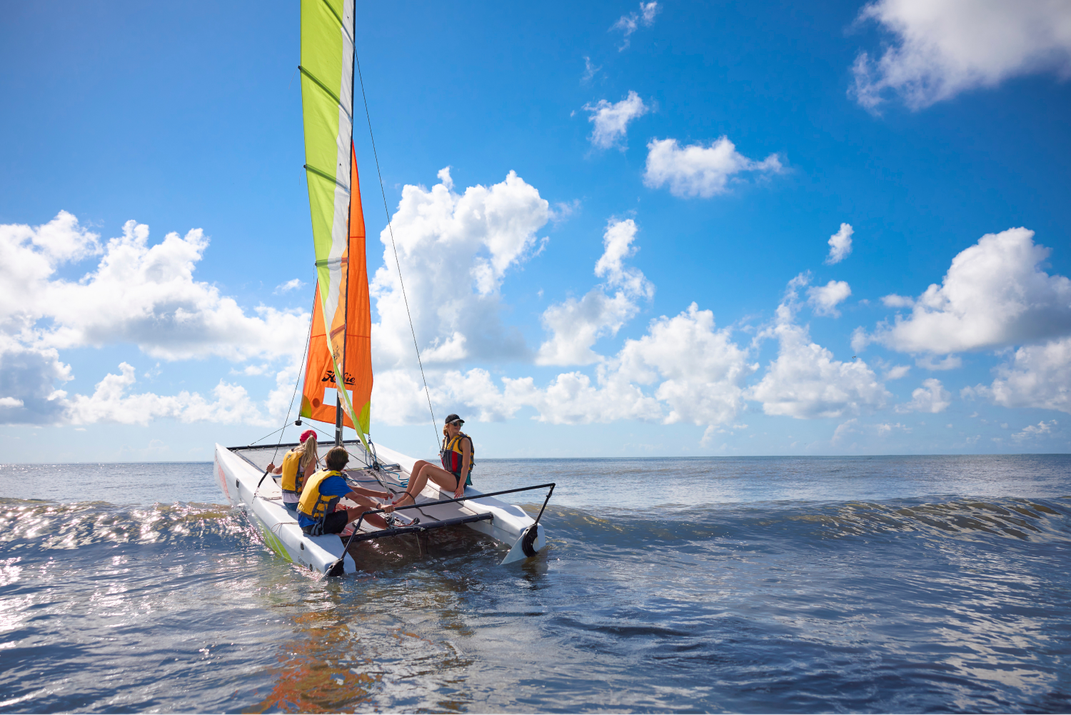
[{"x": 418, "y": 528}]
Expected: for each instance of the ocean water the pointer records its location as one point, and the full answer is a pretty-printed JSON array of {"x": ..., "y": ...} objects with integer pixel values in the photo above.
[{"x": 874, "y": 584}]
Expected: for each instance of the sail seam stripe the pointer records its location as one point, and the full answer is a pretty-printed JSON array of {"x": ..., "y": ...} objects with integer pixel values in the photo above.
[
  {"x": 332, "y": 11},
  {"x": 327, "y": 90},
  {"x": 325, "y": 175}
]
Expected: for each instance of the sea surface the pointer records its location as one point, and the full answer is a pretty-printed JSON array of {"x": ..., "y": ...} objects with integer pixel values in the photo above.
[{"x": 795, "y": 585}]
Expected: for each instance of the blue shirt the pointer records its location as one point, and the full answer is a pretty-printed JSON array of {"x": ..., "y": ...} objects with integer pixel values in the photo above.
[{"x": 334, "y": 486}]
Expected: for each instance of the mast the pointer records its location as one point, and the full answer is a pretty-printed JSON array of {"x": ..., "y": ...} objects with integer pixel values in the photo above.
[{"x": 340, "y": 380}]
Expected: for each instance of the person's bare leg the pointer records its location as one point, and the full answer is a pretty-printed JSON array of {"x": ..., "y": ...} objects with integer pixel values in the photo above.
[
  {"x": 417, "y": 479},
  {"x": 353, "y": 513}
]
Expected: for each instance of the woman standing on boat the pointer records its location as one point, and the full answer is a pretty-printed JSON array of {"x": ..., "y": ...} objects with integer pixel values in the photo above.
[
  {"x": 298, "y": 465},
  {"x": 457, "y": 461}
]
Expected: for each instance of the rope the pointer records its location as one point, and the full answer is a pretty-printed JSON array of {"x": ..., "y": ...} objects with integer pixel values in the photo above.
[
  {"x": 289, "y": 407},
  {"x": 390, "y": 228}
]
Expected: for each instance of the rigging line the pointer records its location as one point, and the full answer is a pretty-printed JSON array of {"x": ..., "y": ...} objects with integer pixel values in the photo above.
[
  {"x": 289, "y": 407},
  {"x": 390, "y": 228},
  {"x": 266, "y": 436}
]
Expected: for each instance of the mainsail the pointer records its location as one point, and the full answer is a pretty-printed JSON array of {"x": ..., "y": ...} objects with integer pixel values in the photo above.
[
  {"x": 319, "y": 367},
  {"x": 337, "y": 222}
]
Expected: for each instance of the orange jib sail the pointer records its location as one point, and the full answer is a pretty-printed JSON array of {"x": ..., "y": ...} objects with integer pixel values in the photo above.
[{"x": 351, "y": 327}]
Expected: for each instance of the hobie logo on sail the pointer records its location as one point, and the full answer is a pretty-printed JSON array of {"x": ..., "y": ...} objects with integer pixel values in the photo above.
[{"x": 329, "y": 377}]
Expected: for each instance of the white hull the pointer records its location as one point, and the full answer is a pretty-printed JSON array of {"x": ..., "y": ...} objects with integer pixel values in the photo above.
[{"x": 239, "y": 476}]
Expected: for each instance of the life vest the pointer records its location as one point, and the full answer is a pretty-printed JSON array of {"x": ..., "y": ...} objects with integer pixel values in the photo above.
[
  {"x": 293, "y": 474},
  {"x": 453, "y": 458},
  {"x": 313, "y": 504}
]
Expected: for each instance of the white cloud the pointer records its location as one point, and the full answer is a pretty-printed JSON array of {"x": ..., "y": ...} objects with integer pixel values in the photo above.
[
  {"x": 455, "y": 250},
  {"x": 944, "y": 47},
  {"x": 590, "y": 70},
  {"x": 628, "y": 24},
  {"x": 575, "y": 325},
  {"x": 930, "y": 362},
  {"x": 1038, "y": 430},
  {"x": 698, "y": 170},
  {"x": 826, "y": 298},
  {"x": 611, "y": 120},
  {"x": 887, "y": 428},
  {"x": 136, "y": 293},
  {"x": 700, "y": 371},
  {"x": 682, "y": 370},
  {"x": 843, "y": 430},
  {"x": 896, "y": 372},
  {"x": 28, "y": 379},
  {"x": 840, "y": 244},
  {"x": 994, "y": 295},
  {"x": 805, "y": 381},
  {"x": 111, "y": 403},
  {"x": 290, "y": 285},
  {"x": 897, "y": 301},
  {"x": 932, "y": 397},
  {"x": 140, "y": 294},
  {"x": 1037, "y": 376},
  {"x": 697, "y": 374}
]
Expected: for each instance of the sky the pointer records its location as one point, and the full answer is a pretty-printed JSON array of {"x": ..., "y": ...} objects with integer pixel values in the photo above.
[{"x": 624, "y": 229}]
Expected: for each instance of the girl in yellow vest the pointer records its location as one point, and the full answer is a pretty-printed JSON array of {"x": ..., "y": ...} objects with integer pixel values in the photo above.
[
  {"x": 298, "y": 465},
  {"x": 457, "y": 460}
]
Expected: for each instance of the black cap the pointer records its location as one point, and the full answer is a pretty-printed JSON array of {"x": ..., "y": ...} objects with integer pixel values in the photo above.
[{"x": 453, "y": 418}]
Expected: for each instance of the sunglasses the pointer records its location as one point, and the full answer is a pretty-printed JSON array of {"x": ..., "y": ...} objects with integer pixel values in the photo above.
[{"x": 456, "y": 423}]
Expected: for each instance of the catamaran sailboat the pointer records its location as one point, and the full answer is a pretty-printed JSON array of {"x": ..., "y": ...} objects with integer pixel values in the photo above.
[{"x": 340, "y": 344}]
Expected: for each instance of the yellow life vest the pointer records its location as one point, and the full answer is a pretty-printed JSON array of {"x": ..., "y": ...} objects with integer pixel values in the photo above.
[
  {"x": 313, "y": 504},
  {"x": 293, "y": 474},
  {"x": 453, "y": 458}
]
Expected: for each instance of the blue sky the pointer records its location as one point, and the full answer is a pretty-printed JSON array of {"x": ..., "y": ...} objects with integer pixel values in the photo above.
[{"x": 626, "y": 229}]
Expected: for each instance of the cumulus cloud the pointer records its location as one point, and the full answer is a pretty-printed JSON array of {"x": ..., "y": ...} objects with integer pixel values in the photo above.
[
  {"x": 699, "y": 371},
  {"x": 995, "y": 294},
  {"x": 28, "y": 384},
  {"x": 897, "y": 301},
  {"x": 930, "y": 362},
  {"x": 1036, "y": 376},
  {"x": 290, "y": 285},
  {"x": 111, "y": 403},
  {"x": 611, "y": 120},
  {"x": 455, "y": 250},
  {"x": 135, "y": 293},
  {"x": 896, "y": 372},
  {"x": 805, "y": 381},
  {"x": 575, "y": 325},
  {"x": 628, "y": 24},
  {"x": 698, "y": 170},
  {"x": 840, "y": 245},
  {"x": 932, "y": 397},
  {"x": 826, "y": 298},
  {"x": 1040, "y": 429},
  {"x": 140, "y": 294},
  {"x": 944, "y": 47},
  {"x": 683, "y": 370}
]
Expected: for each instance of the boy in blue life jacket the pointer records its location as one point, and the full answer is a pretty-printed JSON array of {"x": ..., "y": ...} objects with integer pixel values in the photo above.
[{"x": 324, "y": 489}]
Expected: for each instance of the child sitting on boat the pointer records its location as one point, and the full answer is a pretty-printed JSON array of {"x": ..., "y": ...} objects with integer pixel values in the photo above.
[
  {"x": 297, "y": 466},
  {"x": 324, "y": 489}
]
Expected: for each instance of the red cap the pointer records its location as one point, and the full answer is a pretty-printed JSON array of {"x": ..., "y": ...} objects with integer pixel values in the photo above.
[{"x": 306, "y": 434}]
